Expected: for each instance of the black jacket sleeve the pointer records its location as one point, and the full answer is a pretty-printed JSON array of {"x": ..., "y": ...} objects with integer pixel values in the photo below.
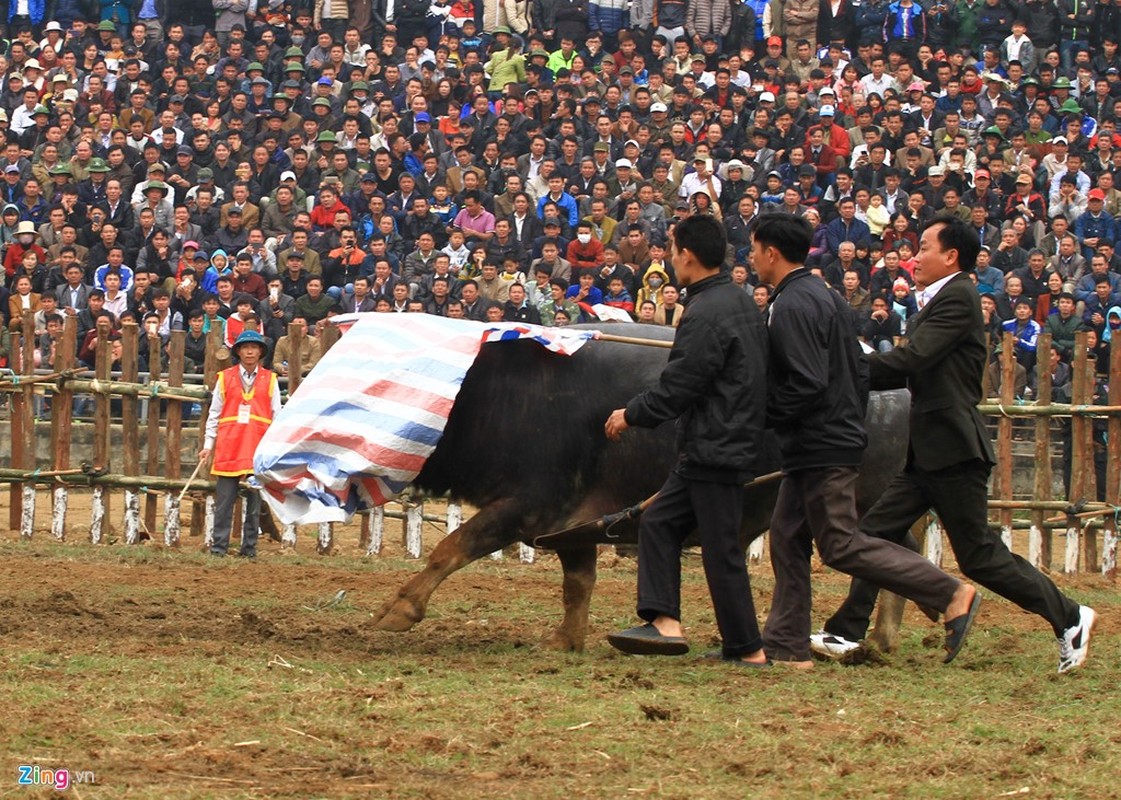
[{"x": 696, "y": 358}]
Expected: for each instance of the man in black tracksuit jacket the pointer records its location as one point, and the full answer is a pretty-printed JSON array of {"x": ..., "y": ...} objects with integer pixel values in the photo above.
[
  {"x": 714, "y": 385},
  {"x": 816, "y": 399}
]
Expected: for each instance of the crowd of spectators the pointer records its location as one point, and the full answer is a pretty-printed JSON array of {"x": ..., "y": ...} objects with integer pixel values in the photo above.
[{"x": 228, "y": 162}]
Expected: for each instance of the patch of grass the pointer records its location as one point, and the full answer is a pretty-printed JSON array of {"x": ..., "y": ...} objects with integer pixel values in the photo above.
[{"x": 172, "y": 675}]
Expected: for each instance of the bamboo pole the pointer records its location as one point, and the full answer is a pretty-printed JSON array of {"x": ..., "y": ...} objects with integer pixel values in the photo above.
[
  {"x": 155, "y": 365},
  {"x": 1039, "y": 550},
  {"x": 1112, "y": 467},
  {"x": 611, "y": 337},
  {"x": 100, "y": 500},
  {"x": 157, "y": 390},
  {"x": 173, "y": 454},
  {"x": 115, "y": 480},
  {"x": 62, "y": 410},
  {"x": 130, "y": 427},
  {"x": 1049, "y": 410},
  {"x": 1004, "y": 435},
  {"x": 1047, "y": 505},
  {"x": 16, "y": 384},
  {"x": 27, "y": 360}
]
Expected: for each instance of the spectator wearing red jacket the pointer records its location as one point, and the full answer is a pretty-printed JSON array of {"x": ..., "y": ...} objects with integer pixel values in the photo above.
[{"x": 586, "y": 251}]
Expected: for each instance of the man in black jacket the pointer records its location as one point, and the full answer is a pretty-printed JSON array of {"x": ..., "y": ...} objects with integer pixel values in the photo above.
[
  {"x": 950, "y": 455},
  {"x": 715, "y": 387},
  {"x": 817, "y": 393}
]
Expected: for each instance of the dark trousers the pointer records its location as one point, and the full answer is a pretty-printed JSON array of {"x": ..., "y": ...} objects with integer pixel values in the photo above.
[
  {"x": 819, "y": 506},
  {"x": 959, "y": 496},
  {"x": 225, "y": 497},
  {"x": 715, "y": 511}
]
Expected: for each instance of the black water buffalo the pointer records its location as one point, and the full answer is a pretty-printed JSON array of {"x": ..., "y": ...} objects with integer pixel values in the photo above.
[{"x": 525, "y": 445}]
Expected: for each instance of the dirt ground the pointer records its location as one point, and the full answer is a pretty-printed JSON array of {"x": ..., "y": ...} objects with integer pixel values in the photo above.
[{"x": 173, "y": 674}]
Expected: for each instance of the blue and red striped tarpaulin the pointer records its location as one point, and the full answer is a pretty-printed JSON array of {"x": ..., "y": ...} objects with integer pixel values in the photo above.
[{"x": 363, "y": 422}]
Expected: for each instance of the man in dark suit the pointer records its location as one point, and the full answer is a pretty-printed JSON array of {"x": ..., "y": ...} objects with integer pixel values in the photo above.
[
  {"x": 816, "y": 403},
  {"x": 949, "y": 455}
]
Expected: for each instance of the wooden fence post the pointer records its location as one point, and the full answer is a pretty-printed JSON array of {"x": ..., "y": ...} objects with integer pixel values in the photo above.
[
  {"x": 99, "y": 514},
  {"x": 1039, "y": 539},
  {"x": 1113, "y": 466},
  {"x": 27, "y": 424},
  {"x": 414, "y": 525},
  {"x": 377, "y": 531},
  {"x": 154, "y": 368},
  {"x": 62, "y": 411},
  {"x": 454, "y": 516},
  {"x": 15, "y": 422},
  {"x": 1078, "y": 425},
  {"x": 130, "y": 427},
  {"x": 212, "y": 365},
  {"x": 172, "y": 455},
  {"x": 1004, "y": 434},
  {"x": 1089, "y": 472}
]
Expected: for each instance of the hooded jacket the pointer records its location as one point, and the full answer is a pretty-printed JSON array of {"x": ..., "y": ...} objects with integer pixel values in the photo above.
[{"x": 648, "y": 292}]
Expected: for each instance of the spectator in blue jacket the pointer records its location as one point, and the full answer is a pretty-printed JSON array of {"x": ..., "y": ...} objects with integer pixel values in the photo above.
[
  {"x": 1025, "y": 332},
  {"x": 846, "y": 227},
  {"x": 1096, "y": 225},
  {"x": 1087, "y": 284},
  {"x": 609, "y": 16},
  {"x": 563, "y": 200}
]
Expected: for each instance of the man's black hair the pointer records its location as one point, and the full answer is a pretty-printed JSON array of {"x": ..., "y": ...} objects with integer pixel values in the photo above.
[
  {"x": 704, "y": 237},
  {"x": 956, "y": 234},
  {"x": 788, "y": 234}
]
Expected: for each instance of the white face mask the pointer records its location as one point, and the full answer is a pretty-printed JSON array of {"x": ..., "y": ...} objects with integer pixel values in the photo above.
[{"x": 584, "y": 237}]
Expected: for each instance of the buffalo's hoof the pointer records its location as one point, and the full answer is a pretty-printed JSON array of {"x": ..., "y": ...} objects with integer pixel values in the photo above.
[
  {"x": 564, "y": 642},
  {"x": 398, "y": 615},
  {"x": 886, "y": 641}
]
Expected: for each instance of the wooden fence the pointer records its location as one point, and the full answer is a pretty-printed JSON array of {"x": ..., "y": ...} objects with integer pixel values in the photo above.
[{"x": 150, "y": 408}]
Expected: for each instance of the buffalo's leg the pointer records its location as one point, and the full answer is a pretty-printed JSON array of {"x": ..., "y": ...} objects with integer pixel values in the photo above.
[
  {"x": 889, "y": 615},
  {"x": 579, "y": 565},
  {"x": 494, "y": 527}
]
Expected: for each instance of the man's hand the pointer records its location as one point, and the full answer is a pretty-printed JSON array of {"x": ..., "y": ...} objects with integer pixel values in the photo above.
[
  {"x": 616, "y": 424},
  {"x": 204, "y": 455}
]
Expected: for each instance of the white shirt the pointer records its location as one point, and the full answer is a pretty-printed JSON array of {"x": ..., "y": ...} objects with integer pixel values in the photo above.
[
  {"x": 879, "y": 86},
  {"x": 691, "y": 184},
  {"x": 929, "y": 292}
]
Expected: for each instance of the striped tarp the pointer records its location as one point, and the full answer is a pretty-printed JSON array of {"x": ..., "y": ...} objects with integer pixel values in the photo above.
[{"x": 363, "y": 422}]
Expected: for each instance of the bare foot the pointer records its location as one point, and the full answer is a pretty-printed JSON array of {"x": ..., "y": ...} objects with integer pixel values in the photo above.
[
  {"x": 668, "y": 626},
  {"x": 960, "y": 602},
  {"x": 798, "y": 665},
  {"x": 758, "y": 657}
]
